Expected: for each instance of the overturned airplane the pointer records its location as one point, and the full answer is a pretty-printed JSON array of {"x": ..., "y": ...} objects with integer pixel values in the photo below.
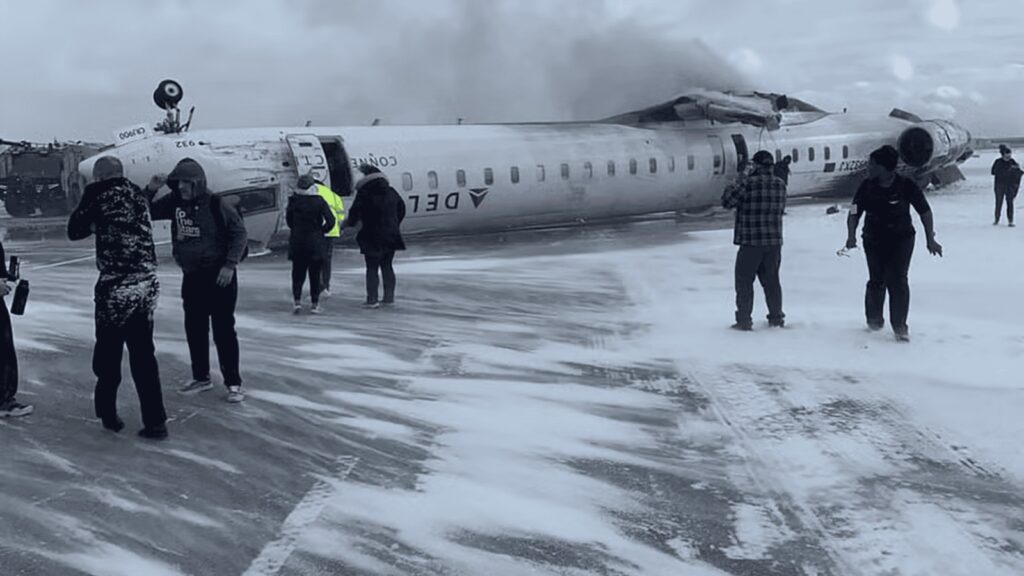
[{"x": 674, "y": 157}]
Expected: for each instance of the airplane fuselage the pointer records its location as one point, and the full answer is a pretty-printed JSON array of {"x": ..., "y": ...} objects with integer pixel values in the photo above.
[{"x": 476, "y": 178}]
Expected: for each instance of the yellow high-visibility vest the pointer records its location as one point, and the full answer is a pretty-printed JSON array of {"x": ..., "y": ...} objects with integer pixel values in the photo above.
[{"x": 337, "y": 208}]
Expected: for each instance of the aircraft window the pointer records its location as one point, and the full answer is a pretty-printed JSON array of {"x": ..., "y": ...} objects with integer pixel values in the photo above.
[
  {"x": 846, "y": 152},
  {"x": 810, "y": 154},
  {"x": 588, "y": 170},
  {"x": 632, "y": 166},
  {"x": 254, "y": 200},
  {"x": 540, "y": 172},
  {"x": 828, "y": 153},
  {"x": 565, "y": 171},
  {"x": 432, "y": 180},
  {"x": 514, "y": 174},
  {"x": 460, "y": 178},
  {"x": 718, "y": 161},
  {"x": 611, "y": 168},
  {"x": 671, "y": 163},
  {"x": 488, "y": 176},
  {"x": 406, "y": 181},
  {"x": 691, "y": 162},
  {"x": 653, "y": 165},
  {"x": 796, "y": 155}
]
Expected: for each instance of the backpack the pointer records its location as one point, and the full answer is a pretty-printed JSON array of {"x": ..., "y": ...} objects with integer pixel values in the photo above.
[{"x": 218, "y": 217}]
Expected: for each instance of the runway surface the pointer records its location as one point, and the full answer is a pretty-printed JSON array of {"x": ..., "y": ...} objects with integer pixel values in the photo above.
[{"x": 567, "y": 402}]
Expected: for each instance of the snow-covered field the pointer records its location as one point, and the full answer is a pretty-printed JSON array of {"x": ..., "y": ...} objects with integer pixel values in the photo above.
[{"x": 566, "y": 404}]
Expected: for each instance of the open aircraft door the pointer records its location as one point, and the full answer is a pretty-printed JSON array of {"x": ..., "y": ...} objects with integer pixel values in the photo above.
[{"x": 309, "y": 156}]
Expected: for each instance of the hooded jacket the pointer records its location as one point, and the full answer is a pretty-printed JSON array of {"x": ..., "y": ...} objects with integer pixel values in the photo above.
[
  {"x": 198, "y": 241},
  {"x": 309, "y": 218},
  {"x": 380, "y": 210},
  {"x": 117, "y": 212}
]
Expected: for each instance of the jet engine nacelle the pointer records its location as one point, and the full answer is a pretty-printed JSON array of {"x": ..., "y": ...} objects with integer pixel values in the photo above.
[{"x": 934, "y": 143}]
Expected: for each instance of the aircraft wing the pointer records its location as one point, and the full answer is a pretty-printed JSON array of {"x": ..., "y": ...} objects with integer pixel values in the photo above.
[{"x": 755, "y": 108}]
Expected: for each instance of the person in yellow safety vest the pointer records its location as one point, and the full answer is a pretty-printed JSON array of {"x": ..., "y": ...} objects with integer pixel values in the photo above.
[{"x": 337, "y": 206}]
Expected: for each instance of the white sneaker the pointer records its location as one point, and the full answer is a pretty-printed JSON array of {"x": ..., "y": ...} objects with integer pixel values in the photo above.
[
  {"x": 372, "y": 305},
  {"x": 315, "y": 309},
  {"x": 235, "y": 394},
  {"x": 326, "y": 293},
  {"x": 296, "y": 308},
  {"x": 196, "y": 386}
]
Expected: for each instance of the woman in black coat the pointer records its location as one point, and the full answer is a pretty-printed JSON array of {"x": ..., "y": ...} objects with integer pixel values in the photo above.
[
  {"x": 309, "y": 218},
  {"x": 380, "y": 210}
]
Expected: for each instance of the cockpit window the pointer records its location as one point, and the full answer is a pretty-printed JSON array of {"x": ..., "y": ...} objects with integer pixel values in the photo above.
[{"x": 252, "y": 200}]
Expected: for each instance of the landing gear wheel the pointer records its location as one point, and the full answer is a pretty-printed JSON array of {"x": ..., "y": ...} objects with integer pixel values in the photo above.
[{"x": 168, "y": 94}]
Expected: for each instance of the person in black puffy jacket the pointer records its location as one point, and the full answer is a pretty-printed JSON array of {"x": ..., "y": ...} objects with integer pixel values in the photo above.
[
  {"x": 309, "y": 218},
  {"x": 380, "y": 210}
]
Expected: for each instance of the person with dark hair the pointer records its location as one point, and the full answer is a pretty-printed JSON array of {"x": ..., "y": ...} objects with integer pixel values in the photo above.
[
  {"x": 9, "y": 406},
  {"x": 1007, "y": 182},
  {"x": 886, "y": 198},
  {"x": 782, "y": 169},
  {"x": 117, "y": 212},
  {"x": 380, "y": 210},
  {"x": 208, "y": 240},
  {"x": 760, "y": 201},
  {"x": 309, "y": 218}
]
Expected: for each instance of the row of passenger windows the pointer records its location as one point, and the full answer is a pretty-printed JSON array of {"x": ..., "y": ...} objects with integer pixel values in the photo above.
[
  {"x": 565, "y": 172},
  {"x": 811, "y": 154},
  {"x": 611, "y": 169}
]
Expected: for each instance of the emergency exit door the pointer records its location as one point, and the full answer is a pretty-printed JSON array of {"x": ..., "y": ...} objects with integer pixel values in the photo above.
[{"x": 309, "y": 157}]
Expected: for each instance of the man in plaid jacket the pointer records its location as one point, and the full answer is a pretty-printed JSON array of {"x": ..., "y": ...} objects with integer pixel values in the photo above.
[{"x": 759, "y": 200}]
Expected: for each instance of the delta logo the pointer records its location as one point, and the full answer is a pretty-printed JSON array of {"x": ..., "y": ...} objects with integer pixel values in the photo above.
[{"x": 477, "y": 195}]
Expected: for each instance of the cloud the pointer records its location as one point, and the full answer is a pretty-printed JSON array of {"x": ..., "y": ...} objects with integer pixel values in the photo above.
[
  {"x": 901, "y": 67},
  {"x": 948, "y": 93},
  {"x": 273, "y": 62},
  {"x": 944, "y": 14}
]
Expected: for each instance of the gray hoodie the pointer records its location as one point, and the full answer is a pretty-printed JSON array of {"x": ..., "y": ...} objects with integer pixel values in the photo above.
[{"x": 207, "y": 233}]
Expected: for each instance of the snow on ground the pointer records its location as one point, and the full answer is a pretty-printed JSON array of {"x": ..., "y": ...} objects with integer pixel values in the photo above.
[{"x": 563, "y": 405}]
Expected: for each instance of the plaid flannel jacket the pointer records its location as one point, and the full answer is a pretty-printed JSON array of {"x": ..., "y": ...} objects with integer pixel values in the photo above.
[{"x": 759, "y": 200}]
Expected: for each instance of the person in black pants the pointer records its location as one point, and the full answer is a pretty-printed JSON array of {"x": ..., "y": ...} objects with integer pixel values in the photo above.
[
  {"x": 208, "y": 240},
  {"x": 380, "y": 210},
  {"x": 1007, "y": 181},
  {"x": 117, "y": 212},
  {"x": 760, "y": 202},
  {"x": 309, "y": 217},
  {"x": 9, "y": 407},
  {"x": 886, "y": 198}
]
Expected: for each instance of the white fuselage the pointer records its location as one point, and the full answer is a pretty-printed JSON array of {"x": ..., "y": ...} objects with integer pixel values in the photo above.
[{"x": 474, "y": 178}]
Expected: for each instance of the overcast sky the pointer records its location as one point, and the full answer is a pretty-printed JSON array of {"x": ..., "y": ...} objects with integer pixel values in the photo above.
[{"x": 79, "y": 70}]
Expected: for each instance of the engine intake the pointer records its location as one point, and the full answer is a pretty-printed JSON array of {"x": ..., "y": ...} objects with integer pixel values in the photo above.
[{"x": 933, "y": 143}]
